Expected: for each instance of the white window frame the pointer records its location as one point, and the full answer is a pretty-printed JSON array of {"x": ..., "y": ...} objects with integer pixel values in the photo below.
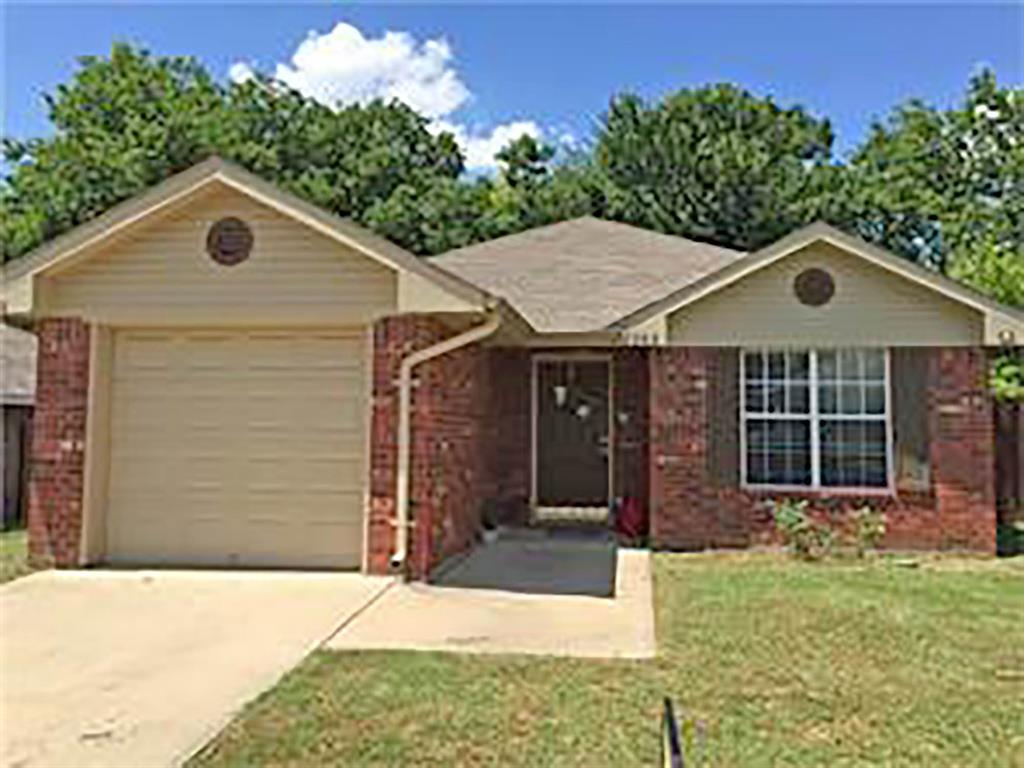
[{"x": 814, "y": 417}]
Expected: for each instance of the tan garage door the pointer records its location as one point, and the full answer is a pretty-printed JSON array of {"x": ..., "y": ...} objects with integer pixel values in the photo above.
[{"x": 238, "y": 448}]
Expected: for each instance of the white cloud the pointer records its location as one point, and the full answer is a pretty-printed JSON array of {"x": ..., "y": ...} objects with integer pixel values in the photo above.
[
  {"x": 480, "y": 146},
  {"x": 344, "y": 67},
  {"x": 240, "y": 72}
]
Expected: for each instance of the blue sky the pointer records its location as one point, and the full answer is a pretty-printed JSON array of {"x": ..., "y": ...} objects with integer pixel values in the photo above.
[{"x": 551, "y": 68}]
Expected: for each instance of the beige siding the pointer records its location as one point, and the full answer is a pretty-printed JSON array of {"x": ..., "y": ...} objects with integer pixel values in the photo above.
[
  {"x": 238, "y": 448},
  {"x": 870, "y": 307},
  {"x": 97, "y": 449},
  {"x": 162, "y": 275},
  {"x": 418, "y": 294}
]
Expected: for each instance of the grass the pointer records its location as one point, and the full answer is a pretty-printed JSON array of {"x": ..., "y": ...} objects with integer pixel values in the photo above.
[
  {"x": 13, "y": 555},
  {"x": 785, "y": 663}
]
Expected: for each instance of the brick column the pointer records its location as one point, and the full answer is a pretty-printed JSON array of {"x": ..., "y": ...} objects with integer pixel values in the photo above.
[
  {"x": 686, "y": 509},
  {"x": 450, "y": 439},
  {"x": 57, "y": 473},
  {"x": 508, "y": 452},
  {"x": 962, "y": 449},
  {"x": 630, "y": 396}
]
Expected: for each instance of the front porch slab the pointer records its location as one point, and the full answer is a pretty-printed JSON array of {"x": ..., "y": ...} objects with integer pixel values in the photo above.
[{"x": 426, "y": 617}]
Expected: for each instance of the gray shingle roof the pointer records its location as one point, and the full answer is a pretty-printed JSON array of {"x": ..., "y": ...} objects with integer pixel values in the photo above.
[
  {"x": 583, "y": 274},
  {"x": 17, "y": 366}
]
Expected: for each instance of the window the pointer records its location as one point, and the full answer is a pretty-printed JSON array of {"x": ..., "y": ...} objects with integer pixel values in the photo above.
[{"x": 815, "y": 418}]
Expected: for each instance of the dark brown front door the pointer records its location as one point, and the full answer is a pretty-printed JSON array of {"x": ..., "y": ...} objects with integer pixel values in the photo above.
[{"x": 572, "y": 440}]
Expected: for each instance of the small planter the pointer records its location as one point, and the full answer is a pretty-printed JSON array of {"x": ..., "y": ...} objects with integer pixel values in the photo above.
[{"x": 490, "y": 535}]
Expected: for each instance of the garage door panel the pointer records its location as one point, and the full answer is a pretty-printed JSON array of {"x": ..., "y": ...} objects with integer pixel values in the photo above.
[
  {"x": 324, "y": 476},
  {"x": 238, "y": 448}
]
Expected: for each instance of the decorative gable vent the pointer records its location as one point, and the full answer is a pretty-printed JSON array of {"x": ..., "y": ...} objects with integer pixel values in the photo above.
[
  {"x": 814, "y": 287},
  {"x": 229, "y": 241}
]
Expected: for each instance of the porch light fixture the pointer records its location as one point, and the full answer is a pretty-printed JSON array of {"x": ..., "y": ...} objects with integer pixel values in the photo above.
[{"x": 561, "y": 394}]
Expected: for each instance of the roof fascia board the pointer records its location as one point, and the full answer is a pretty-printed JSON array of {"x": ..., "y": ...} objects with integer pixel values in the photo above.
[{"x": 119, "y": 218}]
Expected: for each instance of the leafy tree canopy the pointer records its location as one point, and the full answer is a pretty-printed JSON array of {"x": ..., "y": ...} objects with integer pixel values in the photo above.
[
  {"x": 946, "y": 187},
  {"x": 125, "y": 122},
  {"x": 716, "y": 163}
]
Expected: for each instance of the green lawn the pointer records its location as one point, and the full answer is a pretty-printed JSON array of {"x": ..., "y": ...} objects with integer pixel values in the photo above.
[
  {"x": 13, "y": 555},
  {"x": 786, "y": 664}
]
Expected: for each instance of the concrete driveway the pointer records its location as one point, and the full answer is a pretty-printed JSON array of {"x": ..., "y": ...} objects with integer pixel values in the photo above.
[{"x": 141, "y": 668}]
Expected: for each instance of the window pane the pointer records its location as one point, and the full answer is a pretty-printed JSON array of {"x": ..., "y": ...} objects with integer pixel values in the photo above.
[
  {"x": 849, "y": 364},
  {"x": 776, "y": 398},
  {"x": 755, "y": 398},
  {"x": 752, "y": 365},
  {"x": 799, "y": 402},
  {"x": 853, "y": 453},
  {"x": 779, "y": 452},
  {"x": 777, "y": 365},
  {"x": 827, "y": 365},
  {"x": 874, "y": 364},
  {"x": 757, "y": 435},
  {"x": 874, "y": 398},
  {"x": 828, "y": 398},
  {"x": 874, "y": 472},
  {"x": 799, "y": 366},
  {"x": 757, "y": 467},
  {"x": 850, "y": 399}
]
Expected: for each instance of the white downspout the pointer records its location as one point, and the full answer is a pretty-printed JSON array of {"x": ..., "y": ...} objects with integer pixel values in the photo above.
[{"x": 476, "y": 333}]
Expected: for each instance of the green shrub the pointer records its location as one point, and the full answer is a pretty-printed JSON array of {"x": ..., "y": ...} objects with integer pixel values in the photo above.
[
  {"x": 807, "y": 539},
  {"x": 1006, "y": 377},
  {"x": 868, "y": 529},
  {"x": 1010, "y": 538}
]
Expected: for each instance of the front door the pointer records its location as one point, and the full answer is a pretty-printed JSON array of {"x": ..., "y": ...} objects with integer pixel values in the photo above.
[{"x": 571, "y": 433}]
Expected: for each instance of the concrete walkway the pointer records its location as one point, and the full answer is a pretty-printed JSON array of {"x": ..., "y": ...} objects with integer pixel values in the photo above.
[
  {"x": 487, "y": 620},
  {"x": 140, "y": 669}
]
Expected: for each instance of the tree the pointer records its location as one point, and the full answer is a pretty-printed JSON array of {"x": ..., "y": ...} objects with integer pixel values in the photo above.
[
  {"x": 942, "y": 187},
  {"x": 444, "y": 214},
  {"x": 525, "y": 162},
  {"x": 713, "y": 163},
  {"x": 129, "y": 120},
  {"x": 946, "y": 187},
  {"x": 535, "y": 188}
]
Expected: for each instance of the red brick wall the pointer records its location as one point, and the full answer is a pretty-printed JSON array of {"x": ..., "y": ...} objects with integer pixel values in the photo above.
[
  {"x": 471, "y": 439},
  {"x": 630, "y": 389},
  {"x": 449, "y": 478},
  {"x": 509, "y": 450},
  {"x": 511, "y": 403},
  {"x": 691, "y": 511},
  {"x": 962, "y": 449},
  {"x": 56, "y": 478}
]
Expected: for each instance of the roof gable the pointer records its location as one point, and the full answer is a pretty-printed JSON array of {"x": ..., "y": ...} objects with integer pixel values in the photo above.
[
  {"x": 999, "y": 319},
  {"x": 84, "y": 240}
]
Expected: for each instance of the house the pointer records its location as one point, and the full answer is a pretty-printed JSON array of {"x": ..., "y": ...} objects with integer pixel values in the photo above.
[
  {"x": 231, "y": 376},
  {"x": 17, "y": 394}
]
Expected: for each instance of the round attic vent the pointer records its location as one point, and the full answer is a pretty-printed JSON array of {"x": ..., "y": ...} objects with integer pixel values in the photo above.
[
  {"x": 229, "y": 241},
  {"x": 814, "y": 287}
]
